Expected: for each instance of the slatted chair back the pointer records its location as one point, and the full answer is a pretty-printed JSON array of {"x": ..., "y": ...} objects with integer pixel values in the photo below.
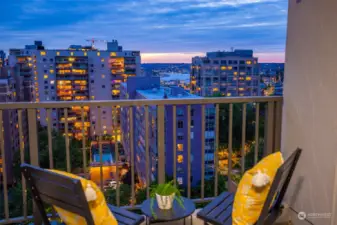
[
  {"x": 57, "y": 190},
  {"x": 272, "y": 207}
]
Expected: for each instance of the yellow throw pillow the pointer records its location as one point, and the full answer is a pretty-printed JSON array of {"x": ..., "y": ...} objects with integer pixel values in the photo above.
[
  {"x": 249, "y": 199},
  {"x": 100, "y": 211}
]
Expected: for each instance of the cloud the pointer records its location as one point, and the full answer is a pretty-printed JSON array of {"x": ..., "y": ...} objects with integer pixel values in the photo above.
[{"x": 169, "y": 26}]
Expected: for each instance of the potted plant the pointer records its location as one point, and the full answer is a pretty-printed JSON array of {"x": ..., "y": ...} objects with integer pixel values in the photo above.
[{"x": 165, "y": 195}]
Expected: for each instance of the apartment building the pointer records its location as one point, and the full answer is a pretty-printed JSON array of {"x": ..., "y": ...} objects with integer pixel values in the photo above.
[
  {"x": 233, "y": 73},
  {"x": 76, "y": 74},
  {"x": 149, "y": 88},
  {"x": 11, "y": 90}
]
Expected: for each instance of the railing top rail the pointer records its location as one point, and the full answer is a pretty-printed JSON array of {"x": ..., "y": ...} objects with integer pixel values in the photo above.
[{"x": 138, "y": 102}]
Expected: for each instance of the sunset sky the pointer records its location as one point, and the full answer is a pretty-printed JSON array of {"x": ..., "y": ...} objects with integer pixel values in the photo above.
[{"x": 163, "y": 30}]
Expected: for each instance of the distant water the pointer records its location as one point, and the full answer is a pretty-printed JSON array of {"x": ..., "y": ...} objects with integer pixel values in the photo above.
[{"x": 176, "y": 76}]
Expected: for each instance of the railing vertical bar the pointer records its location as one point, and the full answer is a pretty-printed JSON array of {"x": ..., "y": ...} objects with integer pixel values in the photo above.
[
  {"x": 99, "y": 132},
  {"x": 50, "y": 142},
  {"x": 132, "y": 156},
  {"x": 22, "y": 160},
  {"x": 147, "y": 156},
  {"x": 243, "y": 141},
  {"x": 269, "y": 129},
  {"x": 189, "y": 151},
  {"x": 216, "y": 152},
  {"x": 67, "y": 139},
  {"x": 203, "y": 130},
  {"x": 230, "y": 146},
  {"x": 161, "y": 144},
  {"x": 257, "y": 127},
  {"x": 4, "y": 167},
  {"x": 33, "y": 138},
  {"x": 33, "y": 148},
  {"x": 84, "y": 150},
  {"x": 278, "y": 125},
  {"x": 174, "y": 136},
  {"x": 115, "y": 129}
]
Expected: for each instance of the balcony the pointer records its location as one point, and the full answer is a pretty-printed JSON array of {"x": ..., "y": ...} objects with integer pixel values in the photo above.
[{"x": 264, "y": 129}]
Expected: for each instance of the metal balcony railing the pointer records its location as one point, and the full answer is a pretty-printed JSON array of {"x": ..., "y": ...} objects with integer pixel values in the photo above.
[{"x": 272, "y": 115}]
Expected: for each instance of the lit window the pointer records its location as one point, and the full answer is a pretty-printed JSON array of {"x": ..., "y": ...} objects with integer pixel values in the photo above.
[
  {"x": 223, "y": 68},
  {"x": 71, "y": 53},
  {"x": 85, "y": 54},
  {"x": 102, "y": 59},
  {"x": 105, "y": 132},
  {"x": 71, "y": 59},
  {"x": 45, "y": 76},
  {"x": 248, "y": 78},
  {"x": 229, "y": 94},
  {"x": 98, "y": 53},
  {"x": 93, "y": 97},
  {"x": 103, "y": 76},
  {"x": 51, "y": 71},
  {"x": 235, "y": 73},
  {"x": 42, "y": 53},
  {"x": 180, "y": 180},
  {"x": 180, "y": 147},
  {"x": 52, "y": 82},
  {"x": 57, "y": 53},
  {"x": 249, "y": 62},
  {"x": 112, "y": 53},
  {"x": 180, "y": 158},
  {"x": 230, "y": 67},
  {"x": 104, "y": 127}
]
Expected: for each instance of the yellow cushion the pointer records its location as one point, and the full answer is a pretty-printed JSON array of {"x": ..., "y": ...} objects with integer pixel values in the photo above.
[
  {"x": 99, "y": 209},
  {"x": 249, "y": 201}
]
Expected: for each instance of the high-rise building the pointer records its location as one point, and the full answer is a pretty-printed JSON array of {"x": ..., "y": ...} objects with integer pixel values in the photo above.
[
  {"x": 2, "y": 58},
  {"x": 11, "y": 91},
  {"x": 75, "y": 74},
  {"x": 149, "y": 88},
  {"x": 233, "y": 73}
]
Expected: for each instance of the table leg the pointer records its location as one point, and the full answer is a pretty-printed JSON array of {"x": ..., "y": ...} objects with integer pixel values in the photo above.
[
  {"x": 191, "y": 220},
  {"x": 184, "y": 220}
]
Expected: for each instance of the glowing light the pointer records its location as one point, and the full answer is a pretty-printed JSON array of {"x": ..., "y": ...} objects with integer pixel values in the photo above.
[
  {"x": 45, "y": 76},
  {"x": 42, "y": 53}
]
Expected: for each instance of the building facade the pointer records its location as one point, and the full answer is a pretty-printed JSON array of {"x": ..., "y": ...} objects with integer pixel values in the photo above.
[
  {"x": 75, "y": 74},
  {"x": 233, "y": 73},
  {"x": 2, "y": 58},
  {"x": 149, "y": 88},
  {"x": 11, "y": 90}
]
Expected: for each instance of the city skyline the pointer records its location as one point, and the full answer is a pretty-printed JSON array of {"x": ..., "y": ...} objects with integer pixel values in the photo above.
[{"x": 163, "y": 30}]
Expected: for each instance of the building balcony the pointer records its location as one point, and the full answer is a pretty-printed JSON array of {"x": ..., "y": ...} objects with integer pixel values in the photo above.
[{"x": 267, "y": 113}]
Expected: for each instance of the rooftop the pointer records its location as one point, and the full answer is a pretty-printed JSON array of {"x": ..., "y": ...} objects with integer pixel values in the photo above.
[{"x": 171, "y": 93}]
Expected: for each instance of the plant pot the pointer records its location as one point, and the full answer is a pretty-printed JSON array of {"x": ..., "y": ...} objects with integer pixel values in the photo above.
[{"x": 165, "y": 202}]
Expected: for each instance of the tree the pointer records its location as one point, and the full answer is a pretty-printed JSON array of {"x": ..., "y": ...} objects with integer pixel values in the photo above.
[{"x": 209, "y": 187}]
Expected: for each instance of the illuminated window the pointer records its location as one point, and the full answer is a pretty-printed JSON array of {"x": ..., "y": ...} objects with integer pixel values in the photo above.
[
  {"x": 249, "y": 62},
  {"x": 105, "y": 132},
  {"x": 93, "y": 97},
  {"x": 180, "y": 147},
  {"x": 71, "y": 53},
  {"x": 248, "y": 78},
  {"x": 98, "y": 53},
  {"x": 57, "y": 53},
  {"x": 112, "y": 53},
  {"x": 229, "y": 94},
  {"x": 52, "y": 82},
  {"x": 85, "y": 54},
  {"x": 71, "y": 59},
  {"x": 235, "y": 73},
  {"x": 51, "y": 71},
  {"x": 223, "y": 68},
  {"x": 103, "y": 76},
  {"x": 230, "y": 67},
  {"x": 42, "y": 53},
  {"x": 241, "y": 89},
  {"x": 104, "y": 127},
  {"x": 45, "y": 76},
  {"x": 180, "y": 158},
  {"x": 102, "y": 59}
]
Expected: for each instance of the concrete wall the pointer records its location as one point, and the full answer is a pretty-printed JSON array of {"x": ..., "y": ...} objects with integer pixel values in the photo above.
[{"x": 310, "y": 106}]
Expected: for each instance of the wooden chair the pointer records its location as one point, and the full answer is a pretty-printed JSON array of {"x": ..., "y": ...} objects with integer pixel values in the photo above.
[
  {"x": 66, "y": 193},
  {"x": 219, "y": 211}
]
